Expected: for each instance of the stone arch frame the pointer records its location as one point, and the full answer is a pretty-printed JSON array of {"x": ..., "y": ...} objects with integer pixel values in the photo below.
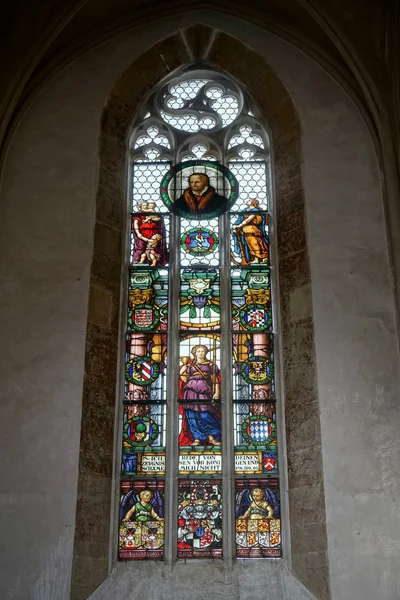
[{"x": 308, "y": 556}]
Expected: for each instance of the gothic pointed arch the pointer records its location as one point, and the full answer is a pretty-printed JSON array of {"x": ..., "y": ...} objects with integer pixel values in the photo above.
[{"x": 304, "y": 460}]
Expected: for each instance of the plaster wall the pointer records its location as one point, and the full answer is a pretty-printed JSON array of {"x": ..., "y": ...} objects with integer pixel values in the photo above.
[
  {"x": 47, "y": 202},
  {"x": 355, "y": 333}
]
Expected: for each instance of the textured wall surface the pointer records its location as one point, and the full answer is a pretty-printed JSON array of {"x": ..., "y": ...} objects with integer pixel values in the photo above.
[
  {"x": 356, "y": 341},
  {"x": 248, "y": 580},
  {"x": 304, "y": 483},
  {"x": 47, "y": 227}
]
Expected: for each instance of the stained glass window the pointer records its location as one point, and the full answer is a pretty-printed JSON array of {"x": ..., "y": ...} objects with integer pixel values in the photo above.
[{"x": 199, "y": 430}]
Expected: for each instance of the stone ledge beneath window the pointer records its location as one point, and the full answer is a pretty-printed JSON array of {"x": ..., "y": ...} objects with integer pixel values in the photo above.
[{"x": 199, "y": 581}]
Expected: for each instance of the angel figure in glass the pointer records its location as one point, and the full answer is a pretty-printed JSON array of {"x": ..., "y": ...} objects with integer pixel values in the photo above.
[
  {"x": 257, "y": 519},
  {"x": 143, "y": 507},
  {"x": 258, "y": 505}
]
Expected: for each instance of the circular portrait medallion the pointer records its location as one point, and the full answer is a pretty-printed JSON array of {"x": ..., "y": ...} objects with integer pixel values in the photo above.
[{"x": 199, "y": 189}]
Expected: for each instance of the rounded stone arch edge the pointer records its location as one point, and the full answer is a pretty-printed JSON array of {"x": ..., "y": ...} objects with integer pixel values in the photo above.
[{"x": 309, "y": 561}]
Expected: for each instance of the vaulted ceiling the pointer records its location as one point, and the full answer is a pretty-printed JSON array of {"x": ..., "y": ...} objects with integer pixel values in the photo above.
[{"x": 353, "y": 37}]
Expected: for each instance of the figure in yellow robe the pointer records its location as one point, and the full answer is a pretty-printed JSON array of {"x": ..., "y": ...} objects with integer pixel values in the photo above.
[{"x": 251, "y": 237}]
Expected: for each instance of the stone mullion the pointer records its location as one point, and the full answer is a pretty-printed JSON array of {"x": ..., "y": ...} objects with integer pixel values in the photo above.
[
  {"x": 172, "y": 424},
  {"x": 228, "y": 460}
]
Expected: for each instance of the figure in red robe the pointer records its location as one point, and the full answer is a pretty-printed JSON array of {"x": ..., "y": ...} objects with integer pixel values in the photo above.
[{"x": 148, "y": 226}]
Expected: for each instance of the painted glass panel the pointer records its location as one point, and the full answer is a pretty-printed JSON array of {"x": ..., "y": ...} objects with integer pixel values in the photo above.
[
  {"x": 200, "y": 300},
  {"x": 253, "y": 367},
  {"x": 258, "y": 525},
  {"x": 141, "y": 531},
  {"x": 141, "y": 528},
  {"x": 200, "y": 518},
  {"x": 252, "y": 462},
  {"x": 200, "y": 461},
  {"x": 255, "y": 438},
  {"x": 149, "y": 237},
  {"x": 178, "y": 257},
  {"x": 250, "y": 238},
  {"x": 251, "y": 300},
  {"x": 143, "y": 451},
  {"x": 148, "y": 300},
  {"x": 199, "y": 242},
  {"x": 254, "y": 415},
  {"x": 199, "y": 372},
  {"x": 145, "y": 367},
  {"x": 200, "y": 438},
  {"x": 199, "y": 409},
  {"x": 199, "y": 188}
]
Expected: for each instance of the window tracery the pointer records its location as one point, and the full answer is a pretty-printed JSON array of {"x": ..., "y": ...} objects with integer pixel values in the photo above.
[
  {"x": 207, "y": 103},
  {"x": 200, "y": 339}
]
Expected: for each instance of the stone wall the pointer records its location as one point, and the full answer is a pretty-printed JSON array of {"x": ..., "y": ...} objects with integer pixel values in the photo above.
[
  {"x": 61, "y": 213},
  {"x": 303, "y": 435}
]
